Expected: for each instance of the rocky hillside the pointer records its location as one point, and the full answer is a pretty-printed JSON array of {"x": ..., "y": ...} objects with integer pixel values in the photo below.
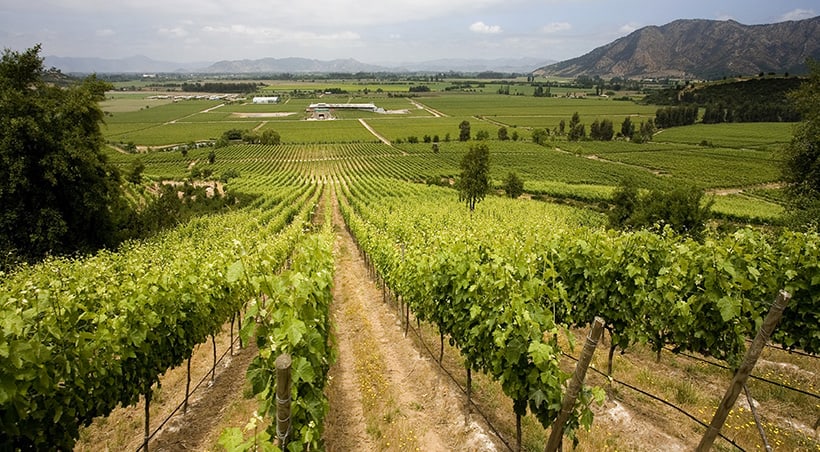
[{"x": 706, "y": 49}]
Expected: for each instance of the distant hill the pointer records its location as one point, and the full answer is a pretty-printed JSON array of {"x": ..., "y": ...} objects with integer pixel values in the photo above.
[
  {"x": 290, "y": 65},
  {"x": 142, "y": 64},
  {"x": 703, "y": 49},
  {"x": 135, "y": 64}
]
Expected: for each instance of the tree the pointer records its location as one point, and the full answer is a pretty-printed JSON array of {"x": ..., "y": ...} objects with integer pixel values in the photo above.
[
  {"x": 58, "y": 192},
  {"x": 502, "y": 134},
  {"x": 540, "y": 136},
  {"x": 801, "y": 158},
  {"x": 482, "y": 135},
  {"x": 681, "y": 209},
  {"x": 271, "y": 137},
  {"x": 135, "y": 172},
  {"x": 474, "y": 182},
  {"x": 577, "y": 131},
  {"x": 627, "y": 128},
  {"x": 212, "y": 157},
  {"x": 513, "y": 185},
  {"x": 464, "y": 131}
]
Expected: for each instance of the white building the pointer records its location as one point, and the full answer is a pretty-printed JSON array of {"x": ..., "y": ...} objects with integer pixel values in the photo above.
[{"x": 266, "y": 100}]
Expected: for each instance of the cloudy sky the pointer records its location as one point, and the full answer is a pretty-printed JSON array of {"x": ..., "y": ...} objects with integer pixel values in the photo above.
[{"x": 377, "y": 31}]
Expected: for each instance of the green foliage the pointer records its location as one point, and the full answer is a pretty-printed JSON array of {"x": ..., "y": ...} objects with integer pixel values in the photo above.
[
  {"x": 482, "y": 135},
  {"x": 464, "y": 131},
  {"x": 577, "y": 131},
  {"x": 293, "y": 317},
  {"x": 474, "y": 182},
  {"x": 58, "y": 191},
  {"x": 77, "y": 346},
  {"x": 676, "y": 116},
  {"x": 682, "y": 209},
  {"x": 801, "y": 159},
  {"x": 135, "y": 173},
  {"x": 503, "y": 134},
  {"x": 540, "y": 136},
  {"x": 513, "y": 185},
  {"x": 602, "y": 130},
  {"x": 627, "y": 128}
]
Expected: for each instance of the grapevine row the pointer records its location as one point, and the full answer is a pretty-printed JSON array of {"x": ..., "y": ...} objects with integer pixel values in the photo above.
[{"x": 82, "y": 336}]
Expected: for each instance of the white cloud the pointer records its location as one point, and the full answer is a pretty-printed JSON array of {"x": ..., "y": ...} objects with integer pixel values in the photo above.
[
  {"x": 798, "y": 14},
  {"x": 176, "y": 32},
  {"x": 105, "y": 32},
  {"x": 628, "y": 28},
  {"x": 556, "y": 27},
  {"x": 272, "y": 35},
  {"x": 481, "y": 27}
]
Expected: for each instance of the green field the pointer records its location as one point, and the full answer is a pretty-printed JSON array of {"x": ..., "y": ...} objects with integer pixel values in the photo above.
[{"x": 713, "y": 157}]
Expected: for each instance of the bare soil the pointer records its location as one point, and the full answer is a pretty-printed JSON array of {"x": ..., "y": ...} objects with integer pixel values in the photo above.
[{"x": 384, "y": 394}]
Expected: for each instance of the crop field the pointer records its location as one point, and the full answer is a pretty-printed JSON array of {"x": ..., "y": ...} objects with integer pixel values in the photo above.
[
  {"x": 337, "y": 227},
  {"x": 761, "y": 135}
]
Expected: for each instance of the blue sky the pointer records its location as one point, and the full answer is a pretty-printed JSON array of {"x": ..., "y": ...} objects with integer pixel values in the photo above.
[{"x": 379, "y": 31}]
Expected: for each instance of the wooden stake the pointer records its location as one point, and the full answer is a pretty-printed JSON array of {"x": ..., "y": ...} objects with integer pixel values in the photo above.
[
  {"x": 148, "y": 395},
  {"x": 283, "y": 364},
  {"x": 757, "y": 419},
  {"x": 187, "y": 388},
  {"x": 213, "y": 369},
  {"x": 518, "y": 432},
  {"x": 469, "y": 388},
  {"x": 744, "y": 370},
  {"x": 557, "y": 433}
]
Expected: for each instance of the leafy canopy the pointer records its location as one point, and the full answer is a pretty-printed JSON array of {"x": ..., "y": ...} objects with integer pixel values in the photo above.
[
  {"x": 801, "y": 163},
  {"x": 59, "y": 193},
  {"x": 474, "y": 182}
]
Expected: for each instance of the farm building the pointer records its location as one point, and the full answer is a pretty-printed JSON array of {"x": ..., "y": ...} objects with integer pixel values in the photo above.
[
  {"x": 324, "y": 110},
  {"x": 266, "y": 100}
]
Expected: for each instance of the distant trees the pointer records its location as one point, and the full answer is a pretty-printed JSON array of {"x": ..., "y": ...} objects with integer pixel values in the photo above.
[
  {"x": 540, "y": 136},
  {"x": 645, "y": 132},
  {"x": 602, "y": 130},
  {"x": 627, "y": 128},
  {"x": 419, "y": 89},
  {"x": 541, "y": 91},
  {"x": 513, "y": 185},
  {"x": 676, "y": 116},
  {"x": 464, "y": 131},
  {"x": 681, "y": 209},
  {"x": 502, "y": 134},
  {"x": 269, "y": 137},
  {"x": 474, "y": 182},
  {"x": 577, "y": 131}
]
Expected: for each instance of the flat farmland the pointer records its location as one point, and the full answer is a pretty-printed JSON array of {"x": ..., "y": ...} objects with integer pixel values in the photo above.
[
  {"x": 770, "y": 135},
  {"x": 493, "y": 105},
  {"x": 734, "y": 156}
]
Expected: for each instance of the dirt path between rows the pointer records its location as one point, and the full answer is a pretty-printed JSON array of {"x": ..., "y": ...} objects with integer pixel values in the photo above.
[{"x": 384, "y": 394}]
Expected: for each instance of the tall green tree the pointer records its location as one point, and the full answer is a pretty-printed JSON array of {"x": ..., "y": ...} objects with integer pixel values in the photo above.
[
  {"x": 801, "y": 162},
  {"x": 464, "y": 131},
  {"x": 627, "y": 128},
  {"x": 513, "y": 185},
  {"x": 474, "y": 182},
  {"x": 59, "y": 193}
]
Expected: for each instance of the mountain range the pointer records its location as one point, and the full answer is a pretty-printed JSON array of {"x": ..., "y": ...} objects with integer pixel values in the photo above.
[
  {"x": 142, "y": 64},
  {"x": 705, "y": 49},
  {"x": 686, "y": 48}
]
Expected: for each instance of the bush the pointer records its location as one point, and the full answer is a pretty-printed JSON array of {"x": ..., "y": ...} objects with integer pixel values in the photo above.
[
  {"x": 513, "y": 185},
  {"x": 681, "y": 209}
]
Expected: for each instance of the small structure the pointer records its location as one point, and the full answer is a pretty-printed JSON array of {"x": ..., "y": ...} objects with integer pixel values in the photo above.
[
  {"x": 266, "y": 100},
  {"x": 325, "y": 110}
]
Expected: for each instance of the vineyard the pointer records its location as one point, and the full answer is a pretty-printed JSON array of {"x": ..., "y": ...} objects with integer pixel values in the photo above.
[{"x": 499, "y": 300}]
